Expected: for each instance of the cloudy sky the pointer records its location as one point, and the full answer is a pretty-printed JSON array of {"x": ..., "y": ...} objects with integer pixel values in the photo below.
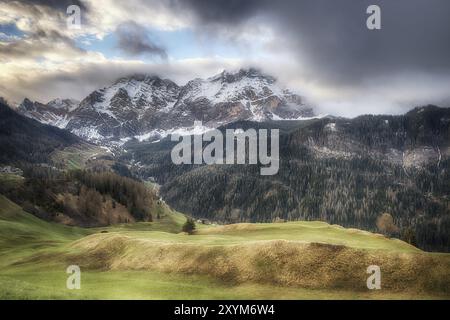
[{"x": 320, "y": 48}]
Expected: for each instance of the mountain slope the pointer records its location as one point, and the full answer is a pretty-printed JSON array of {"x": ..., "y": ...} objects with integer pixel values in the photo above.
[
  {"x": 22, "y": 229},
  {"x": 26, "y": 140},
  {"x": 57, "y": 112},
  {"x": 129, "y": 107}
]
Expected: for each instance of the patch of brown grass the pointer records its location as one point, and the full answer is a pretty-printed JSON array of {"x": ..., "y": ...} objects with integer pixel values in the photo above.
[
  {"x": 278, "y": 262},
  {"x": 230, "y": 228}
]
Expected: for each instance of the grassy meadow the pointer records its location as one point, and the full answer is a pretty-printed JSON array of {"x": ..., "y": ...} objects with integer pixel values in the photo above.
[{"x": 154, "y": 260}]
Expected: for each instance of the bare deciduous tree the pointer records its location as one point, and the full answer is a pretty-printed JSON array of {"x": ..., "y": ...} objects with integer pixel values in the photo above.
[{"x": 386, "y": 225}]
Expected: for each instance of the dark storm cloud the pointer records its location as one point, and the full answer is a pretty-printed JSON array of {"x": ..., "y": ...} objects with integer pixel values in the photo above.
[
  {"x": 332, "y": 40},
  {"x": 216, "y": 12},
  {"x": 322, "y": 48},
  {"x": 133, "y": 39}
]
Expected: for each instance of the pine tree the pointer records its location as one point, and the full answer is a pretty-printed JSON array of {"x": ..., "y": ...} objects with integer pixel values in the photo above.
[{"x": 189, "y": 226}]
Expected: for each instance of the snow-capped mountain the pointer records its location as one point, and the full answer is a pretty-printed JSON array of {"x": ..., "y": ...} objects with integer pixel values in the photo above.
[
  {"x": 247, "y": 94},
  {"x": 144, "y": 105},
  {"x": 131, "y": 106},
  {"x": 56, "y": 112}
]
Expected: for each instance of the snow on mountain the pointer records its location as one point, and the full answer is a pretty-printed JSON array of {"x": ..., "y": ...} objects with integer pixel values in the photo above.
[
  {"x": 228, "y": 87},
  {"x": 67, "y": 105},
  {"x": 138, "y": 93},
  {"x": 131, "y": 106},
  {"x": 56, "y": 112},
  {"x": 158, "y": 134},
  {"x": 147, "y": 106},
  {"x": 247, "y": 93}
]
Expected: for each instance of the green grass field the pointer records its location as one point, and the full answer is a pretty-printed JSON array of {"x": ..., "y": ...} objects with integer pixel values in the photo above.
[
  {"x": 153, "y": 260},
  {"x": 76, "y": 156}
]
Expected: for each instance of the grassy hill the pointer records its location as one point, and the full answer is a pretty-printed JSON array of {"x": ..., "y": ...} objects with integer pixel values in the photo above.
[
  {"x": 22, "y": 234},
  {"x": 77, "y": 156},
  {"x": 152, "y": 260}
]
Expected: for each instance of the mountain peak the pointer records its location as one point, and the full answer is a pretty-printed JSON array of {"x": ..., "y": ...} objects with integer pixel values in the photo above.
[
  {"x": 234, "y": 76},
  {"x": 26, "y": 105},
  {"x": 151, "y": 79},
  {"x": 65, "y": 104}
]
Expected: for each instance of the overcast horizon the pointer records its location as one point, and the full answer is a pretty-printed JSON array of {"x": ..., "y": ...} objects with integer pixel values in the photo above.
[{"x": 321, "y": 49}]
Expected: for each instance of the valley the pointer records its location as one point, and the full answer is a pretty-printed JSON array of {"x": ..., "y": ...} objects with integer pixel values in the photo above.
[
  {"x": 349, "y": 194},
  {"x": 379, "y": 164}
]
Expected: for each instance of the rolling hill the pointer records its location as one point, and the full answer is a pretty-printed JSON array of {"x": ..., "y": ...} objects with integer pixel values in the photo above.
[{"x": 154, "y": 261}]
